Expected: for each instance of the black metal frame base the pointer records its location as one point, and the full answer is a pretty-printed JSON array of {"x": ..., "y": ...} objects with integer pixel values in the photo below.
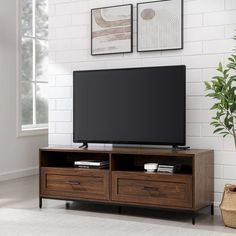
[
  {"x": 194, "y": 214},
  {"x": 67, "y": 206},
  {"x": 40, "y": 202},
  {"x": 212, "y": 209}
]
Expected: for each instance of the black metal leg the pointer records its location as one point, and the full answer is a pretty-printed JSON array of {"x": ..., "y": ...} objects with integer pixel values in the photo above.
[
  {"x": 193, "y": 218},
  {"x": 40, "y": 202},
  {"x": 120, "y": 209},
  {"x": 212, "y": 209},
  {"x": 67, "y": 205}
]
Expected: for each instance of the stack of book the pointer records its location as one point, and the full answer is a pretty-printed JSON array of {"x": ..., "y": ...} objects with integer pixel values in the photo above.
[
  {"x": 93, "y": 164},
  {"x": 166, "y": 169}
]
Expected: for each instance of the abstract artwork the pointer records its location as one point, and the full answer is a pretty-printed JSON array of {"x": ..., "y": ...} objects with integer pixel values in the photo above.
[
  {"x": 111, "y": 30},
  {"x": 160, "y": 25}
]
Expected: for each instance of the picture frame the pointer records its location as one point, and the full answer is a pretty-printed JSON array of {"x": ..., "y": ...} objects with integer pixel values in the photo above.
[
  {"x": 112, "y": 30},
  {"x": 160, "y": 25}
]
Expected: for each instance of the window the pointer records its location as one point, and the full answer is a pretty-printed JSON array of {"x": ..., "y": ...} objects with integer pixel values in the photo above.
[{"x": 34, "y": 65}]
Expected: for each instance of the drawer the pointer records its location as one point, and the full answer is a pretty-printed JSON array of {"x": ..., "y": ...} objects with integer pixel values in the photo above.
[
  {"x": 75, "y": 183},
  {"x": 152, "y": 188}
]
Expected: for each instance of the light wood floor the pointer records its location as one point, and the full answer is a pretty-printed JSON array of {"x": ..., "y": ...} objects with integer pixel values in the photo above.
[{"x": 19, "y": 215}]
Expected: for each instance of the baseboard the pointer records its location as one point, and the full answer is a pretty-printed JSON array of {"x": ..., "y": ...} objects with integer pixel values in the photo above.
[
  {"x": 18, "y": 173},
  {"x": 217, "y": 208}
]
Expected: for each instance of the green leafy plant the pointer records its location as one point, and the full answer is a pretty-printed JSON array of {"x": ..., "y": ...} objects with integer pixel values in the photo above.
[{"x": 222, "y": 88}]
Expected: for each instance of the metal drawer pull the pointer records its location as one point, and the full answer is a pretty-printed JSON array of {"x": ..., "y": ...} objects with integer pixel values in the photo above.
[
  {"x": 73, "y": 182},
  {"x": 151, "y": 188}
]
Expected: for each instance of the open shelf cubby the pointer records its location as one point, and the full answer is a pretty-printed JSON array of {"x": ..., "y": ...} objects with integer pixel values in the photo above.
[
  {"x": 67, "y": 159},
  {"x": 136, "y": 162}
]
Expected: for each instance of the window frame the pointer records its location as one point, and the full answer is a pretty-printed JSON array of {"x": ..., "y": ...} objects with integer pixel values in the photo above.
[{"x": 29, "y": 130}]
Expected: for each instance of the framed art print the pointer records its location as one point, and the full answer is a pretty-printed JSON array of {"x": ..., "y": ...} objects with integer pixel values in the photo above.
[
  {"x": 112, "y": 30},
  {"x": 160, "y": 25}
]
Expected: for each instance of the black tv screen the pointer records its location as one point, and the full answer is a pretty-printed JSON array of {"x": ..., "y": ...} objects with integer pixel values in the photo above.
[{"x": 130, "y": 106}]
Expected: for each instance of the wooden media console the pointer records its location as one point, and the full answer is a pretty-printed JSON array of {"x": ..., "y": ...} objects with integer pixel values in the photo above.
[{"x": 125, "y": 182}]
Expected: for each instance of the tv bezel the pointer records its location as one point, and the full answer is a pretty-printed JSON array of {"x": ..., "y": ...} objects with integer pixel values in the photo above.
[{"x": 131, "y": 142}]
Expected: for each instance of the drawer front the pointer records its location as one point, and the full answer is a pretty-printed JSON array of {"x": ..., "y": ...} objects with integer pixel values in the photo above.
[
  {"x": 75, "y": 183},
  {"x": 153, "y": 189}
]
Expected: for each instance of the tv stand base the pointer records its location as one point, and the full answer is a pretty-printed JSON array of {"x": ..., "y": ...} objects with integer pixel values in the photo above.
[
  {"x": 84, "y": 146},
  {"x": 176, "y": 147}
]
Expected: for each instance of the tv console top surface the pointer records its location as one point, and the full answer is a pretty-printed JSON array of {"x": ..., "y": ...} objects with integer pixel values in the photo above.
[{"x": 127, "y": 150}]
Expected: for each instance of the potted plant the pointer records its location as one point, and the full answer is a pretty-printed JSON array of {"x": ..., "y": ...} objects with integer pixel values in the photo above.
[{"x": 222, "y": 88}]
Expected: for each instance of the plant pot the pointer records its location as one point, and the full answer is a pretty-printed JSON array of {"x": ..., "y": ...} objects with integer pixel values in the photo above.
[{"x": 228, "y": 206}]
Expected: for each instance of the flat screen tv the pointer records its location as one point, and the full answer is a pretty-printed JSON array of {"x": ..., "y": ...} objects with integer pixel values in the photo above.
[{"x": 130, "y": 106}]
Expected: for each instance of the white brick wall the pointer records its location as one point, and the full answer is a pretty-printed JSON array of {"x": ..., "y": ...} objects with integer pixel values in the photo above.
[{"x": 209, "y": 26}]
